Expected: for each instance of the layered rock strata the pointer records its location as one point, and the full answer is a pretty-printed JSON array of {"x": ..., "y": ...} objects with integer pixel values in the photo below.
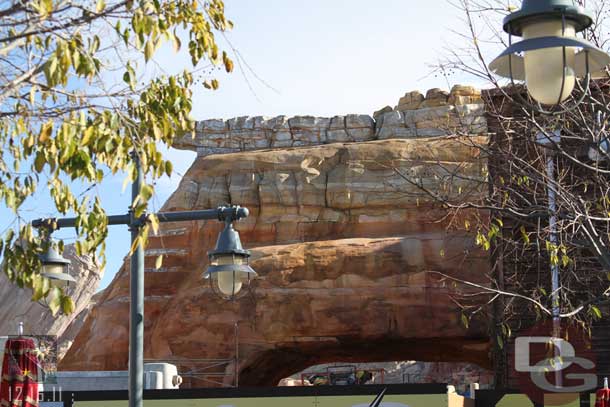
[
  {"x": 346, "y": 237},
  {"x": 438, "y": 114}
]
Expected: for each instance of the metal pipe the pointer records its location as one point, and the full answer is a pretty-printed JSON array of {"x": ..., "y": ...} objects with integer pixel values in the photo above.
[
  {"x": 236, "y": 378},
  {"x": 548, "y": 140},
  {"x": 136, "y": 305},
  {"x": 55, "y": 224},
  {"x": 550, "y": 169},
  {"x": 222, "y": 213},
  {"x": 555, "y": 283}
]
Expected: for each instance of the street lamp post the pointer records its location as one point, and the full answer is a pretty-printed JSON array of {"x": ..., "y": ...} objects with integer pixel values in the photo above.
[
  {"x": 228, "y": 273},
  {"x": 544, "y": 140}
]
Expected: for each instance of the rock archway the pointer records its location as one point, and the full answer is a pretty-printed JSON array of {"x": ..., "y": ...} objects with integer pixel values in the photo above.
[{"x": 347, "y": 249}]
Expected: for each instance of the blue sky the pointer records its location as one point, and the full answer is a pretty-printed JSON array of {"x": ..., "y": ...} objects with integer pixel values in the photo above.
[{"x": 319, "y": 57}]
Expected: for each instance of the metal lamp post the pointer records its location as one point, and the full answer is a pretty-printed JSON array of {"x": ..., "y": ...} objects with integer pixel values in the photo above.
[
  {"x": 544, "y": 140},
  {"x": 229, "y": 268},
  {"x": 550, "y": 57}
]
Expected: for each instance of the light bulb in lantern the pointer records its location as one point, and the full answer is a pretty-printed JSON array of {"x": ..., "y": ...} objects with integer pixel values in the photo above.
[{"x": 544, "y": 68}]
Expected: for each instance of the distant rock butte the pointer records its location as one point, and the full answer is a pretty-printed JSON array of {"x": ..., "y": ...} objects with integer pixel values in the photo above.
[{"x": 341, "y": 236}]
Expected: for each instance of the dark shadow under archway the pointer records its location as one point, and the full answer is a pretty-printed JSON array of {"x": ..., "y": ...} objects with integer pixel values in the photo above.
[{"x": 271, "y": 366}]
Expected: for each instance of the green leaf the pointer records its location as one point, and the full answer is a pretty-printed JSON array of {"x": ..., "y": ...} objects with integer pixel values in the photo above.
[
  {"x": 127, "y": 77},
  {"x": 524, "y": 235},
  {"x": 148, "y": 50},
  {"x": 169, "y": 168},
  {"x": 67, "y": 305},
  {"x": 37, "y": 287},
  {"x": 39, "y": 162},
  {"x": 54, "y": 300},
  {"x": 139, "y": 210},
  {"x": 596, "y": 312},
  {"x": 465, "y": 321},
  {"x": 146, "y": 192},
  {"x": 49, "y": 70}
]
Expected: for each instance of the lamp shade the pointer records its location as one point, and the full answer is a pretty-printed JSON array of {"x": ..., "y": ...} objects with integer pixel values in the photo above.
[
  {"x": 229, "y": 271},
  {"x": 55, "y": 267},
  {"x": 550, "y": 57},
  {"x": 534, "y": 11}
]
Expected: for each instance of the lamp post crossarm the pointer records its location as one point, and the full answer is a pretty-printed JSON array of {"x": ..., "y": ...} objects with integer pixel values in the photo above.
[
  {"x": 223, "y": 213},
  {"x": 62, "y": 223}
]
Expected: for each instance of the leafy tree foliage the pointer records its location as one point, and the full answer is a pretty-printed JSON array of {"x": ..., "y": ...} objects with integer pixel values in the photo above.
[{"x": 72, "y": 109}]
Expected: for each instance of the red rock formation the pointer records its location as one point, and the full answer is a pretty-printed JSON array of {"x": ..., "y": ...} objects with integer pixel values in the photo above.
[{"x": 343, "y": 244}]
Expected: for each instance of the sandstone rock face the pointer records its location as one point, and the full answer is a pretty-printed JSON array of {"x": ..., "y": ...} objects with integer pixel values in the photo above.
[
  {"x": 410, "y": 101},
  {"x": 464, "y": 95},
  {"x": 16, "y": 304},
  {"x": 438, "y": 114},
  {"x": 436, "y": 97},
  {"x": 343, "y": 238}
]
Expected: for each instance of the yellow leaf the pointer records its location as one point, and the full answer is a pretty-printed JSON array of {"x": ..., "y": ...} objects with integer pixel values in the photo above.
[
  {"x": 45, "y": 132},
  {"x": 67, "y": 305},
  {"x": 177, "y": 43},
  {"x": 146, "y": 192},
  {"x": 125, "y": 183},
  {"x": 87, "y": 136},
  {"x": 154, "y": 223},
  {"x": 159, "y": 262},
  {"x": 100, "y": 6},
  {"x": 148, "y": 50},
  {"x": 136, "y": 243}
]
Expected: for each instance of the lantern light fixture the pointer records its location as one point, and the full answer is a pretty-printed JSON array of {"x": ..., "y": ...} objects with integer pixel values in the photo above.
[
  {"x": 229, "y": 272},
  {"x": 55, "y": 267},
  {"x": 550, "y": 58}
]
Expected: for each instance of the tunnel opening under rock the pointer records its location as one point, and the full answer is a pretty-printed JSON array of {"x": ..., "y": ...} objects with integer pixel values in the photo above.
[
  {"x": 270, "y": 367},
  {"x": 341, "y": 373}
]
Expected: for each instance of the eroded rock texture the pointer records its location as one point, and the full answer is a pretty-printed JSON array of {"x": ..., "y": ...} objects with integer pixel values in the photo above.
[
  {"x": 438, "y": 114},
  {"x": 344, "y": 239}
]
